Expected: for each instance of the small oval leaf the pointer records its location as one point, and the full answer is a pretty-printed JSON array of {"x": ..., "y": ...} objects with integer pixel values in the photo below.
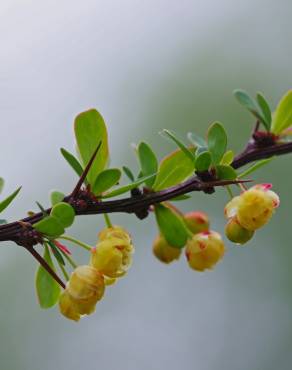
[
  {"x": 217, "y": 142},
  {"x": 50, "y": 226},
  {"x": 173, "y": 169},
  {"x": 225, "y": 172},
  {"x": 90, "y": 130},
  {"x": 106, "y": 179},
  {"x": 227, "y": 158},
  {"x": 48, "y": 290},
  {"x": 203, "y": 161},
  {"x": 64, "y": 213},
  {"x": 171, "y": 226},
  {"x": 148, "y": 162}
]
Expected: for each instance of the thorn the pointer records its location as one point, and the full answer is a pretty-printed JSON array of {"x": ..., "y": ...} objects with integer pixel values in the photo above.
[{"x": 85, "y": 172}]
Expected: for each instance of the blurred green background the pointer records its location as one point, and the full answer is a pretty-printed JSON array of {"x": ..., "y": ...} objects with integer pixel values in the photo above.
[{"x": 145, "y": 65}]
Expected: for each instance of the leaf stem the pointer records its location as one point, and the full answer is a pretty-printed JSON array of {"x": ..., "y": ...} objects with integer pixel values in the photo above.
[{"x": 76, "y": 241}]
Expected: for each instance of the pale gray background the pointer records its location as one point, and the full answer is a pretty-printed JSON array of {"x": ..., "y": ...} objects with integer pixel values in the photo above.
[{"x": 144, "y": 65}]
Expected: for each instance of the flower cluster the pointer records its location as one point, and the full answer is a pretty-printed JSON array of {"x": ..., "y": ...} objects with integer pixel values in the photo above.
[
  {"x": 249, "y": 211},
  {"x": 110, "y": 259},
  {"x": 203, "y": 249}
]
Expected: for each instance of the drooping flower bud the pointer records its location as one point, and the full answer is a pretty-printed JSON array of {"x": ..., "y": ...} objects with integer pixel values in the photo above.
[
  {"x": 236, "y": 233},
  {"x": 204, "y": 250},
  {"x": 197, "y": 221},
  {"x": 84, "y": 289},
  {"x": 112, "y": 257},
  {"x": 256, "y": 207},
  {"x": 165, "y": 252}
]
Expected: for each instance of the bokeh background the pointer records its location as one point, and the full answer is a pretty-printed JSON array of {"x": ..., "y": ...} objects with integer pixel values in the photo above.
[{"x": 145, "y": 65}]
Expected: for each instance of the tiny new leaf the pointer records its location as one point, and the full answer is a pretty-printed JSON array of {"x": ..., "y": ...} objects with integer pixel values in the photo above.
[
  {"x": 227, "y": 158},
  {"x": 56, "y": 197},
  {"x": 217, "y": 142},
  {"x": 48, "y": 290},
  {"x": 282, "y": 118},
  {"x": 90, "y": 130},
  {"x": 203, "y": 161},
  {"x": 173, "y": 169},
  {"x": 171, "y": 226},
  {"x": 106, "y": 179},
  {"x": 148, "y": 162},
  {"x": 5, "y": 203}
]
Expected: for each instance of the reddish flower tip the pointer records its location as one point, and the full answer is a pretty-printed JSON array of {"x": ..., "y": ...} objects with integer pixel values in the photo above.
[{"x": 62, "y": 247}]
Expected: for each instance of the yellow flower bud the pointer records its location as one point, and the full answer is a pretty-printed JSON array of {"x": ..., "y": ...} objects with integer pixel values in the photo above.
[
  {"x": 165, "y": 252},
  {"x": 236, "y": 233},
  {"x": 204, "y": 250},
  {"x": 111, "y": 257},
  {"x": 255, "y": 208},
  {"x": 197, "y": 221},
  {"x": 84, "y": 289}
]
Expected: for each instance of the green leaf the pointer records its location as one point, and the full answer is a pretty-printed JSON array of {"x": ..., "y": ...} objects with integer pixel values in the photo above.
[
  {"x": 5, "y": 203},
  {"x": 73, "y": 161},
  {"x": 48, "y": 290},
  {"x": 181, "y": 197},
  {"x": 171, "y": 226},
  {"x": 225, "y": 172},
  {"x": 126, "y": 188},
  {"x": 106, "y": 179},
  {"x": 90, "y": 130},
  {"x": 129, "y": 173},
  {"x": 179, "y": 143},
  {"x": 173, "y": 169},
  {"x": 282, "y": 118},
  {"x": 246, "y": 101},
  {"x": 64, "y": 213},
  {"x": 56, "y": 253},
  {"x": 1, "y": 184},
  {"x": 265, "y": 109},
  {"x": 196, "y": 140},
  {"x": 56, "y": 197},
  {"x": 50, "y": 226},
  {"x": 3, "y": 222},
  {"x": 255, "y": 167},
  {"x": 203, "y": 161},
  {"x": 227, "y": 158},
  {"x": 217, "y": 142},
  {"x": 148, "y": 162}
]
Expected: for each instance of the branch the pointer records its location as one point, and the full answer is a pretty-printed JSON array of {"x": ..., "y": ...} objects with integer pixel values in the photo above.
[{"x": 136, "y": 204}]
